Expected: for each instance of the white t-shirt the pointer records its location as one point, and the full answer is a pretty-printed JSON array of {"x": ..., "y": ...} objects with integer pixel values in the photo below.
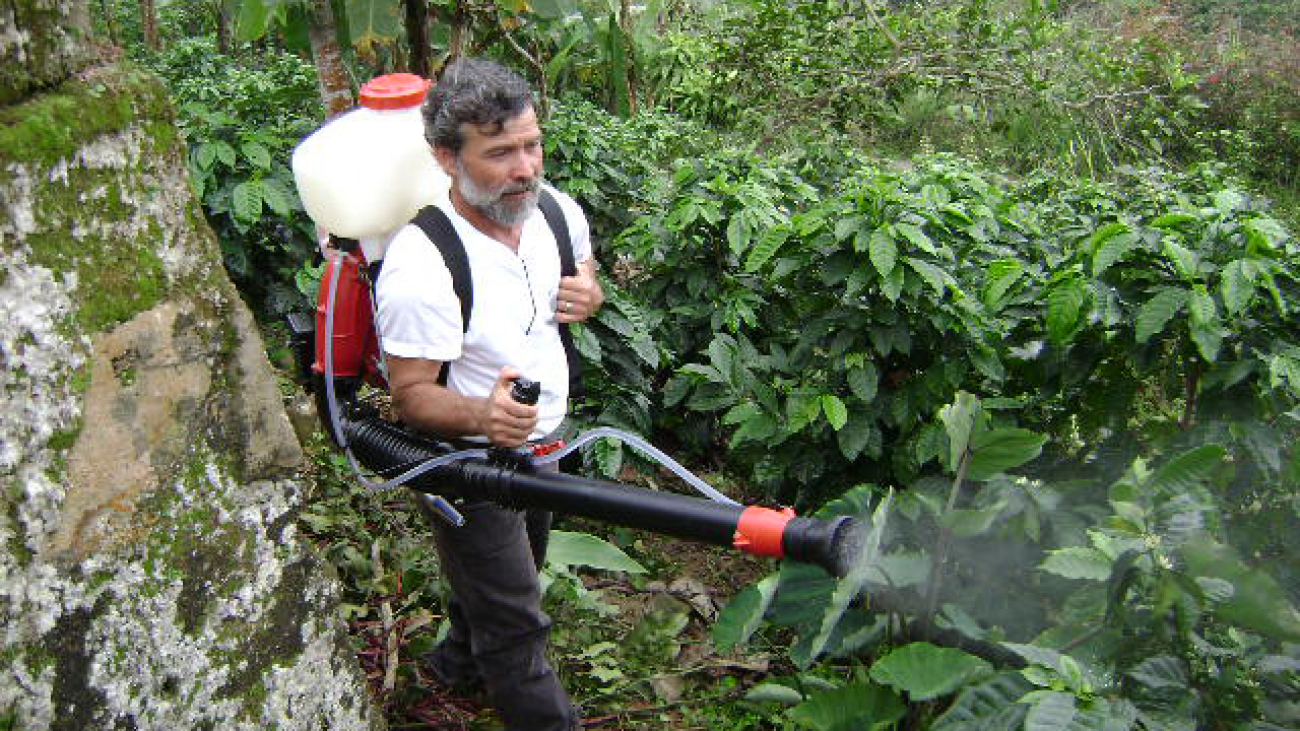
[{"x": 512, "y": 321}]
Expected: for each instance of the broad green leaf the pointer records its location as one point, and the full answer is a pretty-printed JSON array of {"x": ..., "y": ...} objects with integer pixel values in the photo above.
[
  {"x": 1106, "y": 233},
  {"x": 855, "y": 435},
  {"x": 1257, "y": 603},
  {"x": 1111, "y": 251},
  {"x": 1183, "y": 259},
  {"x": 1237, "y": 286},
  {"x": 373, "y": 21},
  {"x": 863, "y": 381},
  {"x": 856, "y": 707},
  {"x": 1173, "y": 220},
  {"x": 1160, "y": 672},
  {"x": 1077, "y": 562},
  {"x": 738, "y": 233},
  {"x": 933, "y": 275},
  {"x": 847, "y": 227},
  {"x": 836, "y": 412},
  {"x": 1158, "y": 311},
  {"x": 740, "y": 413},
  {"x": 848, "y": 588},
  {"x": 225, "y": 153},
  {"x": 883, "y": 252},
  {"x": 998, "y": 279},
  {"x": 246, "y": 200},
  {"x": 277, "y": 197},
  {"x": 1064, "y": 309},
  {"x": 1050, "y": 711},
  {"x": 990, "y": 705},
  {"x": 958, "y": 418},
  {"x": 925, "y": 671},
  {"x": 257, "y": 154},
  {"x": 767, "y": 246},
  {"x": 205, "y": 155},
  {"x": 743, "y": 615},
  {"x": 758, "y": 428},
  {"x": 773, "y": 693},
  {"x": 968, "y": 522},
  {"x": 1228, "y": 200},
  {"x": 1201, "y": 306},
  {"x": 999, "y": 450},
  {"x": 251, "y": 24},
  {"x": 892, "y": 284},
  {"x": 588, "y": 346},
  {"x": 567, "y": 549},
  {"x": 1186, "y": 471},
  {"x": 916, "y": 236}
]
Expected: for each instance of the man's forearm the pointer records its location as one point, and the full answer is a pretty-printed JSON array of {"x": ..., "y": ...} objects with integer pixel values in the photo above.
[{"x": 437, "y": 410}]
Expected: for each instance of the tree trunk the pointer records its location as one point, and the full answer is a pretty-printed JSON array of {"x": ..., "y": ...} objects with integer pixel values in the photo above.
[
  {"x": 331, "y": 76},
  {"x": 625, "y": 25},
  {"x": 108, "y": 22},
  {"x": 149, "y": 22},
  {"x": 417, "y": 36},
  {"x": 221, "y": 13}
]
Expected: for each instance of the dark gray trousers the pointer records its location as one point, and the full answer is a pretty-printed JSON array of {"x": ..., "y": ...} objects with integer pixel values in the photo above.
[{"x": 499, "y": 633}]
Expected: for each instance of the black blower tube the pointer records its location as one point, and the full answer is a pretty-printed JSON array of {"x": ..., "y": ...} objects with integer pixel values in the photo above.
[{"x": 389, "y": 450}]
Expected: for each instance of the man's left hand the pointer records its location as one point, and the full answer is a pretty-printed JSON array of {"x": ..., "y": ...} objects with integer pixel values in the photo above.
[{"x": 580, "y": 296}]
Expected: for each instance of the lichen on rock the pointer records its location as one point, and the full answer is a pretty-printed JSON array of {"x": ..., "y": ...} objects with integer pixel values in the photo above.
[{"x": 150, "y": 575}]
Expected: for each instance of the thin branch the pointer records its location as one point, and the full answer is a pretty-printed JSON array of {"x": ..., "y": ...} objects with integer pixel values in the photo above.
[{"x": 945, "y": 536}]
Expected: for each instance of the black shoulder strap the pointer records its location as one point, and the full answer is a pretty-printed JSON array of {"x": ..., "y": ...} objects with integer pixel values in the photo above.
[
  {"x": 560, "y": 228},
  {"x": 438, "y": 228}
]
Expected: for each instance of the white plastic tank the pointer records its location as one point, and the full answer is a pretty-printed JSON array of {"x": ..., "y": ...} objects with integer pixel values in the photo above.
[{"x": 366, "y": 173}]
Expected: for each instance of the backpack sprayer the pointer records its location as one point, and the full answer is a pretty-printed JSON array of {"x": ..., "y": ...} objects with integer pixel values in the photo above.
[{"x": 362, "y": 177}]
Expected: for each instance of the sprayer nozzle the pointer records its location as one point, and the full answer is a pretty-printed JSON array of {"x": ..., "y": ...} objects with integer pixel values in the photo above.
[{"x": 846, "y": 548}]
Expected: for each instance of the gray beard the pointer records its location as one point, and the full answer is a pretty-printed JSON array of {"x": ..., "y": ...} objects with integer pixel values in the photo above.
[{"x": 492, "y": 203}]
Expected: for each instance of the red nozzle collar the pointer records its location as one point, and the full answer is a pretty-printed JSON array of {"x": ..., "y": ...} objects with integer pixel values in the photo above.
[{"x": 394, "y": 91}]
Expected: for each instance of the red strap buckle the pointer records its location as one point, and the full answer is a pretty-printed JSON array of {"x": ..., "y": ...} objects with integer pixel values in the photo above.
[{"x": 541, "y": 450}]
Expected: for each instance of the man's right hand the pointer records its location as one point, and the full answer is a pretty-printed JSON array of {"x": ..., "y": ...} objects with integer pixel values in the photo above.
[{"x": 504, "y": 421}]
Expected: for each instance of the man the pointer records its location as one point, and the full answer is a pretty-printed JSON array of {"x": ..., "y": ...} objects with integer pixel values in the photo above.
[{"x": 482, "y": 126}]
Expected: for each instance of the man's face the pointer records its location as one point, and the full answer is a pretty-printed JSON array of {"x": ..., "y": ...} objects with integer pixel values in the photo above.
[{"x": 499, "y": 174}]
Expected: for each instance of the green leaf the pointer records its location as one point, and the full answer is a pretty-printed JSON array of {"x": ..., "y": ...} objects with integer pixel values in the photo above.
[
  {"x": 836, "y": 412},
  {"x": 1257, "y": 603},
  {"x": 848, "y": 588},
  {"x": 373, "y": 21},
  {"x": 1160, "y": 672},
  {"x": 225, "y": 153},
  {"x": 205, "y": 155},
  {"x": 738, "y": 233},
  {"x": 1064, "y": 307},
  {"x": 257, "y": 154},
  {"x": 567, "y": 549},
  {"x": 1158, "y": 311},
  {"x": 1077, "y": 562},
  {"x": 958, "y": 418},
  {"x": 1237, "y": 286},
  {"x": 277, "y": 197},
  {"x": 773, "y": 693},
  {"x": 847, "y": 227},
  {"x": 969, "y": 522},
  {"x": 1111, "y": 251},
  {"x": 998, "y": 279},
  {"x": 990, "y": 705},
  {"x": 1186, "y": 471},
  {"x": 917, "y": 237},
  {"x": 743, "y": 615},
  {"x": 855, "y": 707},
  {"x": 864, "y": 381},
  {"x": 767, "y": 246},
  {"x": 998, "y": 450},
  {"x": 892, "y": 285},
  {"x": 883, "y": 252},
  {"x": 855, "y": 435},
  {"x": 1050, "y": 711},
  {"x": 246, "y": 200},
  {"x": 933, "y": 275},
  {"x": 253, "y": 19},
  {"x": 1183, "y": 259},
  {"x": 925, "y": 671},
  {"x": 1173, "y": 220}
]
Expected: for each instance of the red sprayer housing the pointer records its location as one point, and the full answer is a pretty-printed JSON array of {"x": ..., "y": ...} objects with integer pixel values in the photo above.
[{"x": 356, "y": 347}]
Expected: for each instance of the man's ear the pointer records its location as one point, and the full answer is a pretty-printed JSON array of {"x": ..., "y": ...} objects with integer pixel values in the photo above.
[{"x": 446, "y": 158}]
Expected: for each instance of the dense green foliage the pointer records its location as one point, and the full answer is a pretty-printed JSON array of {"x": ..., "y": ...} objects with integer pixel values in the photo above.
[{"x": 1001, "y": 279}]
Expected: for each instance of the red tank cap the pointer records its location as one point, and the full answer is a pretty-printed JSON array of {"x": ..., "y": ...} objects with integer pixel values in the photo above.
[{"x": 394, "y": 91}]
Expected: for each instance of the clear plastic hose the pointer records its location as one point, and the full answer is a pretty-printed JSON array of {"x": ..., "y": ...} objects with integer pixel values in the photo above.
[{"x": 643, "y": 446}]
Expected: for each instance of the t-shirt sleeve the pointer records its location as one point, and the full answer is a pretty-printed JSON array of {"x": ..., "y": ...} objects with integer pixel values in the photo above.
[
  {"x": 418, "y": 311},
  {"x": 579, "y": 229}
]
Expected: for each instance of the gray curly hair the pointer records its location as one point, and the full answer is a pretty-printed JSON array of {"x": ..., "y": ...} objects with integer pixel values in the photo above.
[{"x": 473, "y": 90}]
